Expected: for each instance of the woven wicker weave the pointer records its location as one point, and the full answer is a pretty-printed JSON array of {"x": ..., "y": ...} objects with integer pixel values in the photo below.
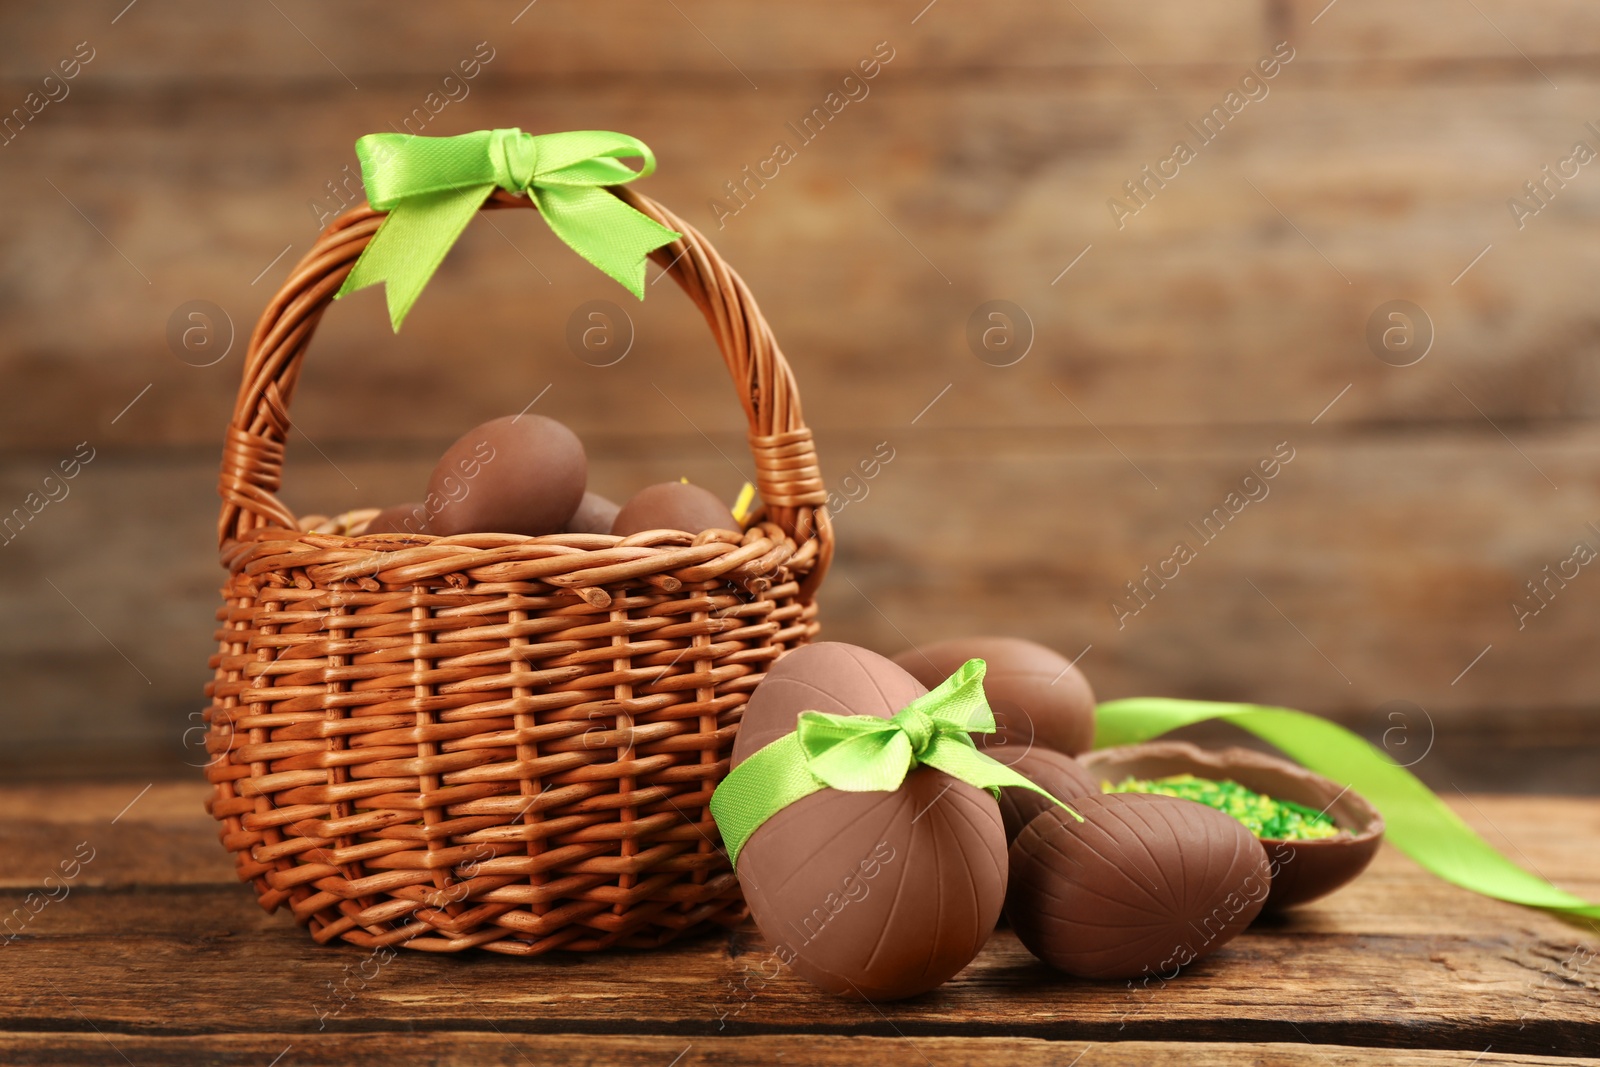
[{"x": 491, "y": 740}]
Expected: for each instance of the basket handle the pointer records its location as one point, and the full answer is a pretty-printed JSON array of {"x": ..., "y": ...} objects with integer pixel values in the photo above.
[{"x": 787, "y": 477}]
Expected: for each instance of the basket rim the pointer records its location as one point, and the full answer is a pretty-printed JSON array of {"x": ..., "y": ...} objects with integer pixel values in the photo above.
[
  {"x": 788, "y": 479},
  {"x": 578, "y": 564}
]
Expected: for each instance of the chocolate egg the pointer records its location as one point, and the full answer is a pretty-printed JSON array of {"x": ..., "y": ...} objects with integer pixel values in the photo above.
[
  {"x": 1061, "y": 776},
  {"x": 521, "y": 474},
  {"x": 673, "y": 506},
  {"x": 1302, "y": 870},
  {"x": 1144, "y": 885},
  {"x": 869, "y": 895},
  {"x": 401, "y": 518},
  {"x": 830, "y": 677},
  {"x": 1037, "y": 695},
  {"x": 595, "y": 514}
]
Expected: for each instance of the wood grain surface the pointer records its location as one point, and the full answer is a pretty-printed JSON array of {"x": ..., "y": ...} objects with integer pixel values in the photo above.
[
  {"x": 149, "y": 212},
  {"x": 150, "y": 947},
  {"x": 472, "y": 1049}
]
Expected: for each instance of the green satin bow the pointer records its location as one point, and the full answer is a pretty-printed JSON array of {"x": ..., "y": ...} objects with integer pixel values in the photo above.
[
  {"x": 863, "y": 753},
  {"x": 1416, "y": 821},
  {"x": 432, "y": 186}
]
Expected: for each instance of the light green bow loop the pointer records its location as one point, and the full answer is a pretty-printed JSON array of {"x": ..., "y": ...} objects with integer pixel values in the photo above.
[
  {"x": 863, "y": 753},
  {"x": 858, "y": 754},
  {"x": 432, "y": 186}
]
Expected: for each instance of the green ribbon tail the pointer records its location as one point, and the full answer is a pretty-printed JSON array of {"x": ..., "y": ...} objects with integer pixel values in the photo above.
[
  {"x": 771, "y": 779},
  {"x": 603, "y": 230},
  {"x": 977, "y": 768},
  {"x": 411, "y": 243},
  {"x": 1416, "y": 821}
]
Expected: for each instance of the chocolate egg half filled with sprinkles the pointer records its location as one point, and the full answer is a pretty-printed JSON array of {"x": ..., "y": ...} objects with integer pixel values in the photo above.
[
  {"x": 1144, "y": 885},
  {"x": 875, "y": 895},
  {"x": 1303, "y": 869},
  {"x": 1038, "y": 697}
]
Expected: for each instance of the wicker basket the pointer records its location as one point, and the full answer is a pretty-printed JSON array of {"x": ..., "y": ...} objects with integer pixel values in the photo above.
[{"x": 490, "y": 740}]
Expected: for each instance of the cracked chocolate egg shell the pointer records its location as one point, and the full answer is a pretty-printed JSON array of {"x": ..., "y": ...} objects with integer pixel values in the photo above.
[
  {"x": 1038, "y": 697},
  {"x": 868, "y": 895},
  {"x": 1061, "y": 776},
  {"x": 521, "y": 474},
  {"x": 1302, "y": 870},
  {"x": 1144, "y": 885},
  {"x": 673, "y": 506}
]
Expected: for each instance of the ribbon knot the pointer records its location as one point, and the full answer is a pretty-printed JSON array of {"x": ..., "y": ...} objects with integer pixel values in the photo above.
[
  {"x": 432, "y": 186},
  {"x": 516, "y": 159},
  {"x": 919, "y": 729},
  {"x": 863, "y": 753}
]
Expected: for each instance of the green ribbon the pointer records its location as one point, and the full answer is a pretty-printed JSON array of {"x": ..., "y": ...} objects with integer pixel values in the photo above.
[
  {"x": 1416, "y": 821},
  {"x": 866, "y": 754},
  {"x": 432, "y": 186}
]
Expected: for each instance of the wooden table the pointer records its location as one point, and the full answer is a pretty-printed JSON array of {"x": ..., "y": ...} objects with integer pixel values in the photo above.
[{"x": 153, "y": 953}]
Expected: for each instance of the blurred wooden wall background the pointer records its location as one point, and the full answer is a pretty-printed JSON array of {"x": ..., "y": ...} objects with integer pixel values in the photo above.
[{"x": 187, "y": 163}]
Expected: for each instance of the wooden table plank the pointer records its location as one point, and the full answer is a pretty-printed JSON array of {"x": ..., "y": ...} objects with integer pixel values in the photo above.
[
  {"x": 152, "y": 940},
  {"x": 473, "y": 1049},
  {"x": 200, "y": 961}
]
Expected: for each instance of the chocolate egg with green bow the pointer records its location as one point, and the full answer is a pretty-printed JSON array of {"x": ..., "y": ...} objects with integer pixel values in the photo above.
[{"x": 875, "y": 895}]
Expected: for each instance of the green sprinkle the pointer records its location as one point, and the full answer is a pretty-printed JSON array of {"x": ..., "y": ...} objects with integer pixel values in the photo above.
[{"x": 1275, "y": 820}]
